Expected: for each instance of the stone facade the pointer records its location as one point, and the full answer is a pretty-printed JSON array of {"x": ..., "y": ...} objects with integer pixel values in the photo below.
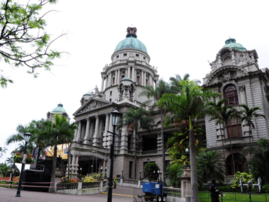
[{"x": 236, "y": 75}]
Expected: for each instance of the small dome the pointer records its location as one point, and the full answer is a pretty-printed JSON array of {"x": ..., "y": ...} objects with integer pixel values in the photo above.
[
  {"x": 231, "y": 43},
  {"x": 88, "y": 93},
  {"x": 59, "y": 109},
  {"x": 126, "y": 79},
  {"x": 131, "y": 42}
]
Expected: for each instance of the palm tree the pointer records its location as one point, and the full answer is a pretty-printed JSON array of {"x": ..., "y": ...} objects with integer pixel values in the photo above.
[
  {"x": 189, "y": 105},
  {"x": 55, "y": 132},
  {"x": 133, "y": 118},
  {"x": 175, "y": 81},
  {"x": 222, "y": 115},
  {"x": 2, "y": 151},
  {"x": 248, "y": 115},
  {"x": 19, "y": 138},
  {"x": 161, "y": 88},
  {"x": 210, "y": 166}
]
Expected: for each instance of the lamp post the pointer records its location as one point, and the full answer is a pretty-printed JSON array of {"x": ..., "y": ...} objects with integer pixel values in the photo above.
[
  {"x": 122, "y": 174},
  {"x": 187, "y": 154},
  {"x": 27, "y": 137},
  {"x": 92, "y": 168},
  {"x": 140, "y": 175},
  {"x": 101, "y": 169},
  {"x": 114, "y": 116}
]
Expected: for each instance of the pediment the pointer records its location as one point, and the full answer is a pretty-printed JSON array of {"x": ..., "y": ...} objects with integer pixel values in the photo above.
[
  {"x": 225, "y": 73},
  {"x": 91, "y": 104}
]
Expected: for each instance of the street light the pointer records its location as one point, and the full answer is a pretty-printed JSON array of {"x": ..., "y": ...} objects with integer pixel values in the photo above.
[
  {"x": 92, "y": 168},
  {"x": 27, "y": 137},
  {"x": 187, "y": 154},
  {"x": 101, "y": 169},
  {"x": 115, "y": 117},
  {"x": 105, "y": 171}
]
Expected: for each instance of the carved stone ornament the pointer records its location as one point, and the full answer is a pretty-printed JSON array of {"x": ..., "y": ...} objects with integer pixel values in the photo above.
[
  {"x": 242, "y": 88},
  {"x": 227, "y": 75}
]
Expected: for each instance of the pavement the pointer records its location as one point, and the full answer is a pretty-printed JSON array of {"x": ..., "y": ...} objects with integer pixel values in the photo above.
[{"x": 120, "y": 194}]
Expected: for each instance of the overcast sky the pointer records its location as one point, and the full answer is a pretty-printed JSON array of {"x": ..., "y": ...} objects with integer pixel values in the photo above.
[{"x": 180, "y": 36}]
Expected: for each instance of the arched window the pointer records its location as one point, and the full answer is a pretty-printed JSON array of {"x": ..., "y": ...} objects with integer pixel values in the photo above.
[
  {"x": 239, "y": 161},
  {"x": 230, "y": 93}
]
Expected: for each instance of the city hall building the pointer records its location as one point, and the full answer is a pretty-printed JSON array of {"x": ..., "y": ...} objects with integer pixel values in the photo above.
[{"x": 235, "y": 74}]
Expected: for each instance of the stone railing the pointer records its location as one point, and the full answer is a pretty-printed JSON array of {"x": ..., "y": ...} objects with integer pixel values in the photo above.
[
  {"x": 172, "y": 192},
  {"x": 81, "y": 188},
  {"x": 63, "y": 186}
]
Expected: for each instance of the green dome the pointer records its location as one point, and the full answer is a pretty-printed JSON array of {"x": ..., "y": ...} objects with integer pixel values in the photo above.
[
  {"x": 59, "y": 109},
  {"x": 127, "y": 79},
  {"x": 231, "y": 43},
  {"x": 131, "y": 42},
  {"x": 88, "y": 93}
]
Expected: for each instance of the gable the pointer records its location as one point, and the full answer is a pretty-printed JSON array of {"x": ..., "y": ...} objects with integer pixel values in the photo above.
[
  {"x": 225, "y": 74},
  {"x": 92, "y": 104}
]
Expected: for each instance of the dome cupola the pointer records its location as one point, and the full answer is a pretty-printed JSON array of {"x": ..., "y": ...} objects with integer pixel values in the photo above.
[
  {"x": 131, "y": 41},
  {"x": 231, "y": 43},
  {"x": 59, "y": 109}
]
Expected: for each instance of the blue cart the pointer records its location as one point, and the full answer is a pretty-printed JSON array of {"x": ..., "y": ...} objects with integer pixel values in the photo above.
[{"x": 153, "y": 190}]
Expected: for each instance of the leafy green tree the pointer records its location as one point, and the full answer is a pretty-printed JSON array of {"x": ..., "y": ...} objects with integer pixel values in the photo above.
[
  {"x": 151, "y": 171},
  {"x": 210, "y": 165},
  {"x": 55, "y": 132},
  {"x": 3, "y": 169},
  {"x": 244, "y": 176},
  {"x": 160, "y": 89},
  {"x": 2, "y": 151},
  {"x": 23, "y": 38},
  {"x": 259, "y": 160},
  {"x": 189, "y": 105},
  {"x": 133, "y": 118},
  {"x": 174, "y": 172}
]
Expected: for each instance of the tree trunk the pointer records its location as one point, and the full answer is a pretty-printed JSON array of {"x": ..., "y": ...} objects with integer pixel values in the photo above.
[
  {"x": 135, "y": 132},
  {"x": 52, "y": 179},
  {"x": 194, "y": 183},
  {"x": 163, "y": 147},
  {"x": 222, "y": 138}
]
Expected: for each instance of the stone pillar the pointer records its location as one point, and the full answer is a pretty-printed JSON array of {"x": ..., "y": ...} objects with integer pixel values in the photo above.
[
  {"x": 133, "y": 74},
  {"x": 186, "y": 183},
  {"x": 87, "y": 133},
  {"x": 75, "y": 173},
  {"x": 119, "y": 75},
  {"x": 124, "y": 140},
  {"x": 79, "y": 131},
  {"x": 75, "y": 134},
  {"x": 142, "y": 78},
  {"x": 73, "y": 166},
  {"x": 129, "y": 72},
  {"x": 109, "y": 135},
  {"x": 150, "y": 80},
  {"x": 95, "y": 136},
  {"x": 102, "y": 84},
  {"x": 106, "y": 129},
  {"x": 116, "y": 76}
]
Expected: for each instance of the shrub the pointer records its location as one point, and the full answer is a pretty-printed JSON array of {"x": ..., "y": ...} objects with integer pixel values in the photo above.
[
  {"x": 89, "y": 179},
  {"x": 151, "y": 171},
  {"x": 245, "y": 178}
]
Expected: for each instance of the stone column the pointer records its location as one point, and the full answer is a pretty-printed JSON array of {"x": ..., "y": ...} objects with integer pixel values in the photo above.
[
  {"x": 76, "y": 166},
  {"x": 87, "y": 133},
  {"x": 119, "y": 75},
  {"x": 109, "y": 135},
  {"x": 116, "y": 76},
  {"x": 73, "y": 166},
  {"x": 75, "y": 134},
  {"x": 95, "y": 136},
  {"x": 102, "y": 84},
  {"x": 106, "y": 129},
  {"x": 129, "y": 72},
  {"x": 124, "y": 140},
  {"x": 133, "y": 74},
  {"x": 79, "y": 131}
]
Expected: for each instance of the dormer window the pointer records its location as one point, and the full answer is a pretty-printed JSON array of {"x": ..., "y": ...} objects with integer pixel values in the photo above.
[
  {"x": 118, "y": 56},
  {"x": 125, "y": 54},
  {"x": 137, "y": 55}
]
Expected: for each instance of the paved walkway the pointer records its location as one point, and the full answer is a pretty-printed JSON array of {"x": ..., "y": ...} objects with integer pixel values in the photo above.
[{"x": 120, "y": 194}]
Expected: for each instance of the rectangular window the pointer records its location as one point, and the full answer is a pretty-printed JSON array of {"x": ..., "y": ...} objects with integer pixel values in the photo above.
[
  {"x": 113, "y": 80},
  {"x": 125, "y": 54},
  {"x": 130, "y": 169},
  {"x": 137, "y": 79},
  {"x": 110, "y": 93},
  {"x": 137, "y": 55}
]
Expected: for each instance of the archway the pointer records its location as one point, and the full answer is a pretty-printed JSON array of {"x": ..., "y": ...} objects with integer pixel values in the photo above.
[{"x": 239, "y": 161}]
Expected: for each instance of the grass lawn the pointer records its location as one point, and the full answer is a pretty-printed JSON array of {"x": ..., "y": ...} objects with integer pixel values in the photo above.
[{"x": 229, "y": 196}]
